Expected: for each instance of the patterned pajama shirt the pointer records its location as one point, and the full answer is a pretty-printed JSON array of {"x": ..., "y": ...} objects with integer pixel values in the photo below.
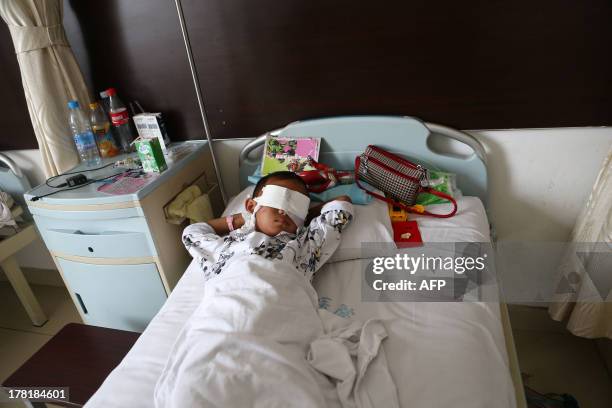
[{"x": 308, "y": 249}]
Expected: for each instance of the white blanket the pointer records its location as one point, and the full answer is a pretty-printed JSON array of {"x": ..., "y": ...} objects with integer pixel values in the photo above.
[{"x": 258, "y": 339}]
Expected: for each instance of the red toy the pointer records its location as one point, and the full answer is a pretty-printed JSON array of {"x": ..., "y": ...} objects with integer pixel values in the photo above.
[
  {"x": 406, "y": 234},
  {"x": 324, "y": 177}
]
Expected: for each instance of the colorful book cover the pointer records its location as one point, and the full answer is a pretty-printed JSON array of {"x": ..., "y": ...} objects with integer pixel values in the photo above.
[{"x": 286, "y": 153}]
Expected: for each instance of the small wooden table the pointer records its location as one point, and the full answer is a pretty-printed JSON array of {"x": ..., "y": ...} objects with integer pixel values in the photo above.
[
  {"x": 9, "y": 246},
  {"x": 79, "y": 357}
]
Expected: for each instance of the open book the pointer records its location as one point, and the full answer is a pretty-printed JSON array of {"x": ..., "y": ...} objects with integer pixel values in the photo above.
[{"x": 289, "y": 154}]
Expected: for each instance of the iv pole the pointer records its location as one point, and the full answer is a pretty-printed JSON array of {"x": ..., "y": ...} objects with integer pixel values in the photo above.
[{"x": 196, "y": 83}]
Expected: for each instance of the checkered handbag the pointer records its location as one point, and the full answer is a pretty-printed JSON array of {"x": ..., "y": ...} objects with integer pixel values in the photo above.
[{"x": 400, "y": 179}]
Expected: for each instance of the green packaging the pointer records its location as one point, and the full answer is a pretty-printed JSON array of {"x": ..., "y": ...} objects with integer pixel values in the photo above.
[
  {"x": 441, "y": 181},
  {"x": 151, "y": 155}
]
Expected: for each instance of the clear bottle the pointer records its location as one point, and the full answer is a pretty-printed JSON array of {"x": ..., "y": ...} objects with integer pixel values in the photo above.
[
  {"x": 101, "y": 129},
  {"x": 121, "y": 120},
  {"x": 82, "y": 135}
]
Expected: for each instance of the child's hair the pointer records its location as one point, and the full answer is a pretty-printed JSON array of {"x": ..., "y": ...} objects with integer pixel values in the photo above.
[{"x": 279, "y": 175}]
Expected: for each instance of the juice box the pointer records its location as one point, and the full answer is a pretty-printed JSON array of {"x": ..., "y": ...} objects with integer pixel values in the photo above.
[{"x": 151, "y": 155}]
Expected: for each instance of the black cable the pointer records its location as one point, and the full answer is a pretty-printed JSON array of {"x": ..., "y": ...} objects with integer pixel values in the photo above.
[
  {"x": 36, "y": 198},
  {"x": 73, "y": 172}
]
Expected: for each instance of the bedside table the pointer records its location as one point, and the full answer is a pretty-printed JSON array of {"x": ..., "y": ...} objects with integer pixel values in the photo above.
[{"x": 117, "y": 255}]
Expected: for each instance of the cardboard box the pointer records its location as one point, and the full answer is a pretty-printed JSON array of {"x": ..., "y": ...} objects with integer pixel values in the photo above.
[{"x": 152, "y": 125}]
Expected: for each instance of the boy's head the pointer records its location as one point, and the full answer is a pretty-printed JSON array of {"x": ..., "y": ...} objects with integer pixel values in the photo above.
[{"x": 270, "y": 220}]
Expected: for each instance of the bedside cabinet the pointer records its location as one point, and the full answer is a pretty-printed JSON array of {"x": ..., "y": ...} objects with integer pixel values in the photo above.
[{"x": 117, "y": 255}]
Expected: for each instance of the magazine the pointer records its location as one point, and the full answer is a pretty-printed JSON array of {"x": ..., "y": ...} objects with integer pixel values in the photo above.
[{"x": 289, "y": 154}]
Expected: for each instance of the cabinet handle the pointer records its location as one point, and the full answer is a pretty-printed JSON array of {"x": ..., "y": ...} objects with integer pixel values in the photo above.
[{"x": 81, "y": 302}]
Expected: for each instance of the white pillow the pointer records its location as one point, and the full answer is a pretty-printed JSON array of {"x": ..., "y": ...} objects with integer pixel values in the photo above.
[{"x": 371, "y": 223}]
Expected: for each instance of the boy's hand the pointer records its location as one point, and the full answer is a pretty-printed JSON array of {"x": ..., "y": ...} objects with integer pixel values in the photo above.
[{"x": 316, "y": 210}]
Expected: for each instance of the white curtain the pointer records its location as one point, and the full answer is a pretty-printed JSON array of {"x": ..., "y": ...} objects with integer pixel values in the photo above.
[
  {"x": 50, "y": 76},
  {"x": 583, "y": 299}
]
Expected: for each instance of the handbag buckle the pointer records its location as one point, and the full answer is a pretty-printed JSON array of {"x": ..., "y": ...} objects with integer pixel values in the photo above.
[{"x": 425, "y": 180}]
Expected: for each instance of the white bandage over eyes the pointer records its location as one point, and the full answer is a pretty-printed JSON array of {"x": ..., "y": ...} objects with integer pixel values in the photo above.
[{"x": 293, "y": 203}]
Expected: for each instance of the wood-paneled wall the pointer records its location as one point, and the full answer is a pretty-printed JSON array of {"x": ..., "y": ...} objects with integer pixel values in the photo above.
[
  {"x": 16, "y": 130},
  {"x": 262, "y": 64}
]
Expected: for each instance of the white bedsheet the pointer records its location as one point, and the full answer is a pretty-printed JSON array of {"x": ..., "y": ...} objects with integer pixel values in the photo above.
[
  {"x": 440, "y": 354},
  {"x": 255, "y": 325}
]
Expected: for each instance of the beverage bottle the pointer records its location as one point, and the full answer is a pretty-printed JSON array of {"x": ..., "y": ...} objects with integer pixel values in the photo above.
[
  {"x": 121, "y": 120},
  {"x": 101, "y": 129},
  {"x": 82, "y": 135}
]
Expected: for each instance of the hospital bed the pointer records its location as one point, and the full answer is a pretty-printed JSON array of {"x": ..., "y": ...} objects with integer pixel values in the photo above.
[{"x": 440, "y": 354}]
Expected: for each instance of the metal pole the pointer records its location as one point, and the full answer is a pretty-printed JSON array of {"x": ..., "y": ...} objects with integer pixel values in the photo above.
[{"x": 196, "y": 83}]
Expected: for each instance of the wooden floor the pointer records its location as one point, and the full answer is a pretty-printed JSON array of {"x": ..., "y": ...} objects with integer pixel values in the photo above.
[{"x": 553, "y": 359}]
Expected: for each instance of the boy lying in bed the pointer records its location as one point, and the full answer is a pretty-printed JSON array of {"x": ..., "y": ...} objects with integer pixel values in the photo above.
[
  {"x": 277, "y": 225},
  {"x": 258, "y": 338}
]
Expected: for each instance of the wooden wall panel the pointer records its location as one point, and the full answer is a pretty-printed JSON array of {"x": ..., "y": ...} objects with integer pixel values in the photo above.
[
  {"x": 136, "y": 46},
  {"x": 16, "y": 130},
  {"x": 469, "y": 64}
]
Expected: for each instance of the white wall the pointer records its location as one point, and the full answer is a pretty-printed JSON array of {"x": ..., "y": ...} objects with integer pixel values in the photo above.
[{"x": 539, "y": 180}]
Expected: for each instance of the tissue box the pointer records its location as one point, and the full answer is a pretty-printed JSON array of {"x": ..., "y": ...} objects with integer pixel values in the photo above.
[
  {"x": 152, "y": 125},
  {"x": 151, "y": 155}
]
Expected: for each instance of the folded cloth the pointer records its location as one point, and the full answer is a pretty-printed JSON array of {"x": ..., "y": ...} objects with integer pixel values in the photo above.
[
  {"x": 200, "y": 209},
  {"x": 191, "y": 203},
  {"x": 178, "y": 206},
  {"x": 351, "y": 357},
  {"x": 6, "y": 216}
]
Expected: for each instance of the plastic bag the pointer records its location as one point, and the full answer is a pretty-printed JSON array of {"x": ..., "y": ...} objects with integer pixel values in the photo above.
[{"x": 443, "y": 182}]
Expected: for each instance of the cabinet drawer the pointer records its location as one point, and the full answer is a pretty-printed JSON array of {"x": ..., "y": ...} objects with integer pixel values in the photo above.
[
  {"x": 122, "y": 297},
  {"x": 105, "y": 244}
]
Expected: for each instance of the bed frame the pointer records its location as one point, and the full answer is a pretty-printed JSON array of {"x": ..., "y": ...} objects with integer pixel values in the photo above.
[
  {"x": 343, "y": 138},
  {"x": 430, "y": 144}
]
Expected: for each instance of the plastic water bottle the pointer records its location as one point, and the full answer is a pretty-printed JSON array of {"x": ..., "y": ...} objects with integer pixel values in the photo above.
[
  {"x": 82, "y": 135},
  {"x": 101, "y": 128},
  {"x": 121, "y": 120}
]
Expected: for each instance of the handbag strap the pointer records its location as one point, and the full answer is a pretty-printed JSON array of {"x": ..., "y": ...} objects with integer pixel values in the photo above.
[
  {"x": 444, "y": 196},
  {"x": 402, "y": 205}
]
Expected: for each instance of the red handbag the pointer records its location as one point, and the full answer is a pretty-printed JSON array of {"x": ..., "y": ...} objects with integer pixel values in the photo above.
[{"x": 400, "y": 179}]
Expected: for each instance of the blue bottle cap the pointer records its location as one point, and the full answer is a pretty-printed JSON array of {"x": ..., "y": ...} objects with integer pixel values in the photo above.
[{"x": 73, "y": 104}]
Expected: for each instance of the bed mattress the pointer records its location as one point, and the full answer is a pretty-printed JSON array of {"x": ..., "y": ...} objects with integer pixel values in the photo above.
[{"x": 440, "y": 354}]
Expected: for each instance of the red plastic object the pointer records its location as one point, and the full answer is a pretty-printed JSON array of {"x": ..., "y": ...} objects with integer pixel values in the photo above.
[
  {"x": 406, "y": 234},
  {"x": 323, "y": 177}
]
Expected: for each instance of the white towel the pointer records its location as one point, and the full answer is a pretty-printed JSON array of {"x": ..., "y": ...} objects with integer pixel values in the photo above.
[{"x": 6, "y": 217}]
